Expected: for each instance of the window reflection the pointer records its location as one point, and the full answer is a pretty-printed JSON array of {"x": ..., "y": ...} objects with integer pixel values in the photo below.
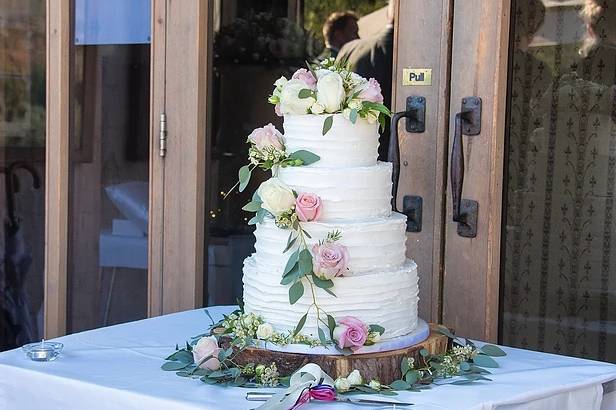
[{"x": 255, "y": 42}]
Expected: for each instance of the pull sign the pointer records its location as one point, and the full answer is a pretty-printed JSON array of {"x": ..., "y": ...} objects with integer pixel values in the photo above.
[{"x": 417, "y": 76}]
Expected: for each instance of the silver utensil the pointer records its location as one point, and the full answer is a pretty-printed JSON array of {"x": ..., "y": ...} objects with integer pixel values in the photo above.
[{"x": 264, "y": 396}]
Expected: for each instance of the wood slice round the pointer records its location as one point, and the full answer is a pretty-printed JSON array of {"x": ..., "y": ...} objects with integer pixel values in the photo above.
[{"x": 382, "y": 366}]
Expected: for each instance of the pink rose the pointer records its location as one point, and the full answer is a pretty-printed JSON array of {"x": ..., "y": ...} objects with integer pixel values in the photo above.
[
  {"x": 207, "y": 346},
  {"x": 306, "y": 76},
  {"x": 308, "y": 207},
  {"x": 371, "y": 91},
  {"x": 351, "y": 332},
  {"x": 266, "y": 137},
  {"x": 329, "y": 260}
]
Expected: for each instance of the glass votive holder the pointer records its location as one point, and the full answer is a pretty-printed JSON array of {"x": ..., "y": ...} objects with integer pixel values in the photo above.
[{"x": 43, "y": 351}]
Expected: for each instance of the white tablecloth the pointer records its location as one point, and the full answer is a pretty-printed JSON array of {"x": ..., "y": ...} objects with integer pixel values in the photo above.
[{"x": 118, "y": 367}]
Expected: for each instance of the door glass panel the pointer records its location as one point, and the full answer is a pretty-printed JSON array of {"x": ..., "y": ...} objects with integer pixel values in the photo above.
[
  {"x": 109, "y": 164},
  {"x": 22, "y": 171},
  {"x": 256, "y": 42},
  {"x": 559, "y": 270}
]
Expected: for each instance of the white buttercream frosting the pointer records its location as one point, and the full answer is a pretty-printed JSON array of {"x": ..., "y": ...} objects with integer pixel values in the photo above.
[
  {"x": 387, "y": 298},
  {"x": 344, "y": 145},
  {"x": 347, "y": 193},
  {"x": 373, "y": 245}
]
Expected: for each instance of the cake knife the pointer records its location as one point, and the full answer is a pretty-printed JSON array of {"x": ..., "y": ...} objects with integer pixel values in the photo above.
[{"x": 264, "y": 396}]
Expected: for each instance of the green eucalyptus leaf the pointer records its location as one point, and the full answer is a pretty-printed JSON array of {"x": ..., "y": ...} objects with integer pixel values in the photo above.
[
  {"x": 445, "y": 331},
  {"x": 331, "y": 324},
  {"x": 207, "y": 380},
  {"x": 244, "y": 176},
  {"x": 300, "y": 324},
  {"x": 411, "y": 377},
  {"x": 465, "y": 366},
  {"x": 376, "y": 328},
  {"x": 424, "y": 353},
  {"x": 399, "y": 385},
  {"x": 290, "y": 244},
  {"x": 173, "y": 366},
  {"x": 405, "y": 366},
  {"x": 365, "y": 389},
  {"x": 291, "y": 277},
  {"x": 492, "y": 350},
  {"x": 252, "y": 206},
  {"x": 322, "y": 283},
  {"x": 305, "y": 156},
  {"x": 182, "y": 356},
  {"x": 353, "y": 116},
  {"x": 305, "y": 93},
  {"x": 330, "y": 292},
  {"x": 293, "y": 259},
  {"x": 327, "y": 124},
  {"x": 322, "y": 337},
  {"x": 484, "y": 360},
  {"x": 296, "y": 291},
  {"x": 305, "y": 262}
]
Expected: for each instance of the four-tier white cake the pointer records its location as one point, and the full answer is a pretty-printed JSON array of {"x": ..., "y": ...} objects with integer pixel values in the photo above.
[{"x": 381, "y": 284}]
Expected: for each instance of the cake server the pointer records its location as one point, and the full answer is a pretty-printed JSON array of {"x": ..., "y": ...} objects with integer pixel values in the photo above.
[{"x": 264, "y": 396}]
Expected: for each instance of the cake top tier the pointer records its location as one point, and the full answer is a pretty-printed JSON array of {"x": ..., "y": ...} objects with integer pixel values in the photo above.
[{"x": 344, "y": 145}]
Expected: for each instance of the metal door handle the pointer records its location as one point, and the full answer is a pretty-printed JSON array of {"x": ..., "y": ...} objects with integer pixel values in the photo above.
[{"x": 465, "y": 211}]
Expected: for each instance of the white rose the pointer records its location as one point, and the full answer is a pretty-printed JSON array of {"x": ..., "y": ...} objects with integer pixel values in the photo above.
[
  {"x": 290, "y": 103},
  {"x": 330, "y": 92},
  {"x": 322, "y": 72},
  {"x": 355, "y": 378},
  {"x": 276, "y": 196},
  {"x": 207, "y": 347},
  {"x": 265, "y": 331},
  {"x": 342, "y": 384},
  {"x": 357, "y": 80},
  {"x": 317, "y": 108}
]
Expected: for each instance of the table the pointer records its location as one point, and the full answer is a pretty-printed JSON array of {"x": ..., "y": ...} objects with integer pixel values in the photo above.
[{"x": 118, "y": 367}]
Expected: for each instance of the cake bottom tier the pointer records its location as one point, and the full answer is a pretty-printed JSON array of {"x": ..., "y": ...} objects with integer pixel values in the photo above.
[{"x": 387, "y": 298}]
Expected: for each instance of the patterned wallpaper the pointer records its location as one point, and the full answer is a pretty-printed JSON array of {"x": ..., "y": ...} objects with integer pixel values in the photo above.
[{"x": 559, "y": 271}]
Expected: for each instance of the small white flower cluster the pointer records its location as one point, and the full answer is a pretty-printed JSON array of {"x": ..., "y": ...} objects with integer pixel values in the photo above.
[
  {"x": 267, "y": 375},
  {"x": 463, "y": 353},
  {"x": 252, "y": 326},
  {"x": 449, "y": 366},
  {"x": 243, "y": 324},
  {"x": 270, "y": 155}
]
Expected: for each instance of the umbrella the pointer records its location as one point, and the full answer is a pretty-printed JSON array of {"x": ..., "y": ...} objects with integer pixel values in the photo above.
[{"x": 16, "y": 325}]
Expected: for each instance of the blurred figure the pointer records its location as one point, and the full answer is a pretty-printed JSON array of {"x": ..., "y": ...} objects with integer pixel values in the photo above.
[
  {"x": 372, "y": 57},
  {"x": 339, "y": 28}
]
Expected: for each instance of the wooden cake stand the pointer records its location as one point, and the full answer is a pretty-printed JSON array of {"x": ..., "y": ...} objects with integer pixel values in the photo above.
[{"x": 381, "y": 366}]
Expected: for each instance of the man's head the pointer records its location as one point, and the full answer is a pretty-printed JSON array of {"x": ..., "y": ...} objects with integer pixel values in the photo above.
[{"x": 340, "y": 28}]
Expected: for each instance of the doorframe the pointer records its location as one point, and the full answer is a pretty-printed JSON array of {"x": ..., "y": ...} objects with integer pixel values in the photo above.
[
  {"x": 176, "y": 220},
  {"x": 423, "y": 156},
  {"x": 480, "y": 56}
]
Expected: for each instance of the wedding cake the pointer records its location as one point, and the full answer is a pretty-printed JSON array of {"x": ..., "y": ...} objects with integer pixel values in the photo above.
[{"x": 330, "y": 261}]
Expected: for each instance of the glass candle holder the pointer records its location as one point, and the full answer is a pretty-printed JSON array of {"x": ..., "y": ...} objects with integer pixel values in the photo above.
[{"x": 43, "y": 351}]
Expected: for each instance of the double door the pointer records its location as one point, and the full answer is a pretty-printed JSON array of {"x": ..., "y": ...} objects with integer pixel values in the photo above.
[
  {"x": 515, "y": 170},
  {"x": 506, "y": 157}
]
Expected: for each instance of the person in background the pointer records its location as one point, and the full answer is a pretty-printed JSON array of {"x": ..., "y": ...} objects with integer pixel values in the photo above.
[
  {"x": 339, "y": 28},
  {"x": 372, "y": 57}
]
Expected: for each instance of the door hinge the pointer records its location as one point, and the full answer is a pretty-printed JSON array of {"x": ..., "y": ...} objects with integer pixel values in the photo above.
[{"x": 163, "y": 135}]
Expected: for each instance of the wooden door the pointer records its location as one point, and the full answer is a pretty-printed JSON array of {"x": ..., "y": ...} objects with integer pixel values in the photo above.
[
  {"x": 461, "y": 50},
  {"x": 124, "y": 204}
]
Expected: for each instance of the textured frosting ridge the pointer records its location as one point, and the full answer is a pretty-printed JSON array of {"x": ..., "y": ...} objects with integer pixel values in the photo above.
[
  {"x": 373, "y": 245},
  {"x": 388, "y": 298},
  {"x": 347, "y": 193},
  {"x": 345, "y": 144}
]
